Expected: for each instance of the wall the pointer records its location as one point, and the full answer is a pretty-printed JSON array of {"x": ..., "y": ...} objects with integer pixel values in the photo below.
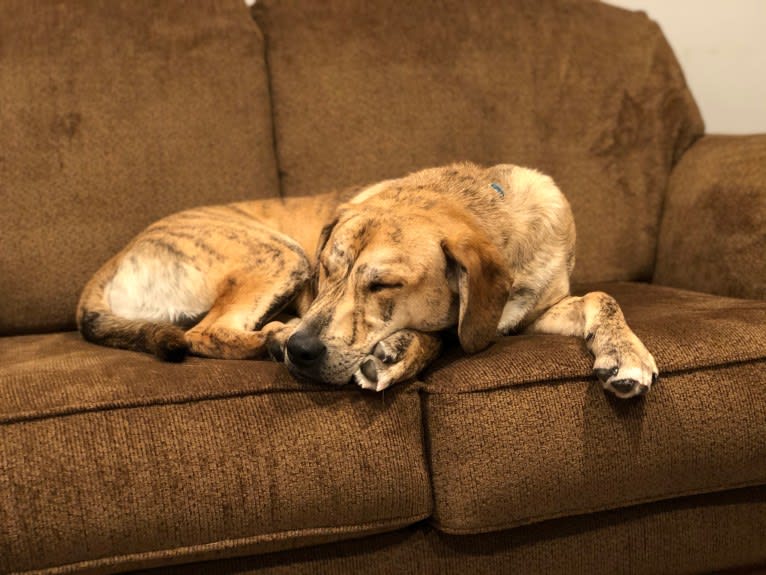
[{"x": 722, "y": 48}]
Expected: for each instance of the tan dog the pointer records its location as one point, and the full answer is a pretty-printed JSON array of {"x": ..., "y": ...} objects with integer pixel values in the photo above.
[{"x": 487, "y": 251}]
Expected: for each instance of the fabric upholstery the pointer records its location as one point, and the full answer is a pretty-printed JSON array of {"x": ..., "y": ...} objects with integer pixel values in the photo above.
[
  {"x": 114, "y": 113},
  {"x": 112, "y": 460},
  {"x": 154, "y": 464},
  {"x": 713, "y": 235},
  {"x": 526, "y": 433},
  {"x": 589, "y": 93},
  {"x": 691, "y": 535}
]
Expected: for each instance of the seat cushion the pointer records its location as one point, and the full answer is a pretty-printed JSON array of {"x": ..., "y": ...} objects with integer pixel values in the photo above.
[
  {"x": 115, "y": 113},
  {"x": 523, "y": 432},
  {"x": 710, "y": 533},
  {"x": 112, "y": 460},
  {"x": 584, "y": 91}
]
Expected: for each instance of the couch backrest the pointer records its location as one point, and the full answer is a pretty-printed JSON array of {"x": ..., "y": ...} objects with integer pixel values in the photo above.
[
  {"x": 589, "y": 93},
  {"x": 112, "y": 114}
]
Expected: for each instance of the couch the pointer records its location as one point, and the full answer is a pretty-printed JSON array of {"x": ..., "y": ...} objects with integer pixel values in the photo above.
[{"x": 116, "y": 112}]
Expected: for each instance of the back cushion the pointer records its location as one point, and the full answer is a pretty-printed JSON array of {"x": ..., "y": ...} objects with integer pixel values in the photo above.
[
  {"x": 586, "y": 92},
  {"x": 112, "y": 114}
]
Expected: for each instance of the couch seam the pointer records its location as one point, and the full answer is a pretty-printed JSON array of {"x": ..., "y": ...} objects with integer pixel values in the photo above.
[
  {"x": 425, "y": 441},
  {"x": 664, "y": 199},
  {"x": 420, "y": 388},
  {"x": 575, "y": 511},
  {"x": 362, "y": 529},
  {"x": 272, "y": 108}
]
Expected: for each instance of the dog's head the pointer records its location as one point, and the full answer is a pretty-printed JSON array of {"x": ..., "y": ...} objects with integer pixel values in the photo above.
[{"x": 381, "y": 269}]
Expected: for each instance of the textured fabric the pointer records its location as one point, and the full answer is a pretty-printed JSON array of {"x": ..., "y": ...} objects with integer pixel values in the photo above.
[
  {"x": 586, "y": 92},
  {"x": 713, "y": 234},
  {"x": 508, "y": 447},
  {"x": 113, "y": 460},
  {"x": 114, "y": 113},
  {"x": 684, "y": 330},
  {"x": 692, "y": 535}
]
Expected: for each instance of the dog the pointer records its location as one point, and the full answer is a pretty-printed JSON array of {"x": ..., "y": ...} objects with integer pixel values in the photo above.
[{"x": 359, "y": 285}]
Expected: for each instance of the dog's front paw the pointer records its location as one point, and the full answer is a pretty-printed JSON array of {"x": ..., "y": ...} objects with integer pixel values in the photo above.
[
  {"x": 628, "y": 369},
  {"x": 397, "y": 358},
  {"x": 277, "y": 335},
  {"x": 383, "y": 367}
]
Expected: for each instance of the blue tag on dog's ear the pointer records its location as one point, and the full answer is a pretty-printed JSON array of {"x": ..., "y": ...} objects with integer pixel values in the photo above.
[{"x": 498, "y": 188}]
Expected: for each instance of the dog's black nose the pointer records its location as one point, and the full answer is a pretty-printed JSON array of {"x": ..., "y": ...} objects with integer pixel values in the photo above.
[{"x": 304, "y": 349}]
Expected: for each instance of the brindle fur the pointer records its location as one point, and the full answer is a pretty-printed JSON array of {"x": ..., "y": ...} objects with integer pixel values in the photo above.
[
  {"x": 488, "y": 251},
  {"x": 240, "y": 264}
]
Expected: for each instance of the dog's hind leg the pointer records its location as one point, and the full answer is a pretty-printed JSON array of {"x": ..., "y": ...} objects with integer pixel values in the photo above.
[
  {"x": 399, "y": 357},
  {"x": 236, "y": 326},
  {"x": 622, "y": 362}
]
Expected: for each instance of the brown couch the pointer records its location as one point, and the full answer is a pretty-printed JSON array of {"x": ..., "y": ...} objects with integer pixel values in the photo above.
[{"x": 115, "y": 112}]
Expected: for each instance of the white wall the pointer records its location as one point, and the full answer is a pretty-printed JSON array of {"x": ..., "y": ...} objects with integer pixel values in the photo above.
[{"x": 721, "y": 45}]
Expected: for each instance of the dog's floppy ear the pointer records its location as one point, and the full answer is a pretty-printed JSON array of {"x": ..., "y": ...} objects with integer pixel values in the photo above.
[{"x": 483, "y": 286}]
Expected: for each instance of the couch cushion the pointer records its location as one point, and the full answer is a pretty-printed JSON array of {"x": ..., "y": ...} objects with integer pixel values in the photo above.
[
  {"x": 587, "y": 92},
  {"x": 523, "y": 432},
  {"x": 113, "y": 114},
  {"x": 110, "y": 459},
  {"x": 713, "y": 235},
  {"x": 705, "y": 534}
]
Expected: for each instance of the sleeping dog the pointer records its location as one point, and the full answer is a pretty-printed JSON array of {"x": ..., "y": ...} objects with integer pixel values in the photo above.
[{"x": 487, "y": 252}]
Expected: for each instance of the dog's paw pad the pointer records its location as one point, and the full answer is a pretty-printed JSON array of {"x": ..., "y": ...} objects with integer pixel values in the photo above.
[
  {"x": 396, "y": 358},
  {"x": 628, "y": 372},
  {"x": 373, "y": 375},
  {"x": 370, "y": 370},
  {"x": 624, "y": 386}
]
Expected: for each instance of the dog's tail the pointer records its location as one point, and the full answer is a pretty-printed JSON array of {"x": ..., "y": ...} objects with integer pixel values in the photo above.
[{"x": 98, "y": 324}]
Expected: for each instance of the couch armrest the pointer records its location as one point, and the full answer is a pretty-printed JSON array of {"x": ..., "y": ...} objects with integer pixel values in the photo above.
[{"x": 713, "y": 230}]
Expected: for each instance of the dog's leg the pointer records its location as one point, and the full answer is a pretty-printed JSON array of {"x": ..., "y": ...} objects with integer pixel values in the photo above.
[
  {"x": 622, "y": 363},
  {"x": 399, "y": 357},
  {"x": 235, "y": 327},
  {"x": 517, "y": 309}
]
